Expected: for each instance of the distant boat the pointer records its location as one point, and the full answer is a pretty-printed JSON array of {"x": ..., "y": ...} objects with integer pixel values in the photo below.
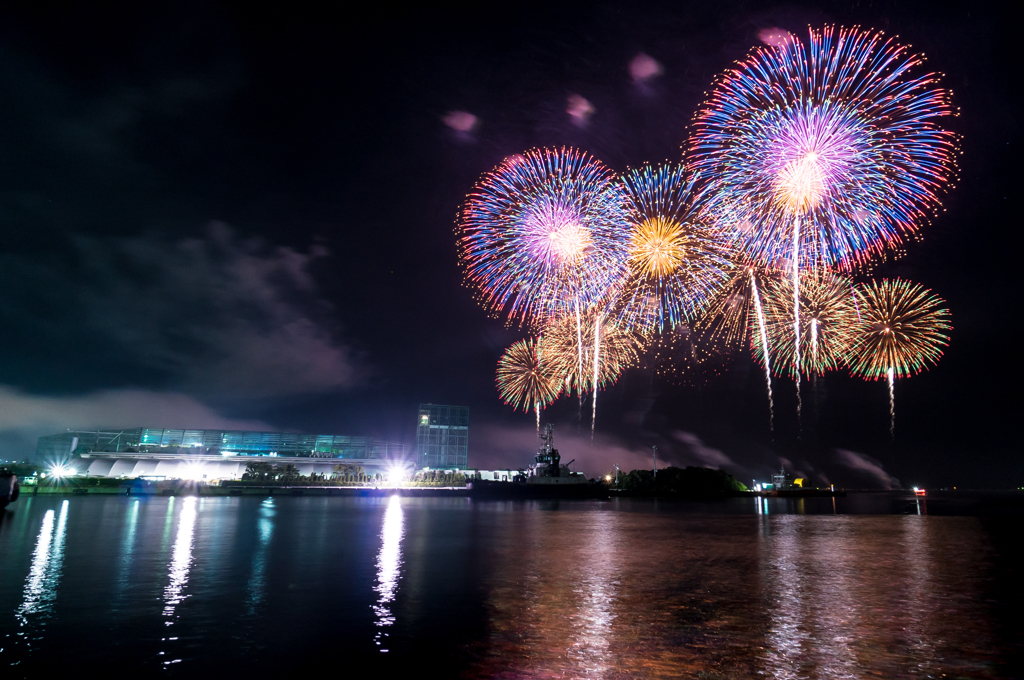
[
  {"x": 919, "y": 492},
  {"x": 785, "y": 486},
  {"x": 9, "y": 488},
  {"x": 546, "y": 478}
]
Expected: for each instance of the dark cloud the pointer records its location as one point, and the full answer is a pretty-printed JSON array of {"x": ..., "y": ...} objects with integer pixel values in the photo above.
[
  {"x": 25, "y": 417},
  {"x": 111, "y": 408},
  {"x": 213, "y": 317}
]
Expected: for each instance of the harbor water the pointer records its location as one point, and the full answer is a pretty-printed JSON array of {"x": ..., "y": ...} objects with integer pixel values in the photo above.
[{"x": 872, "y": 585}]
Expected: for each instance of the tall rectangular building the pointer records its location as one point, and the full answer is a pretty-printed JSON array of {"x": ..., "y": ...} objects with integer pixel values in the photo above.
[{"x": 442, "y": 437}]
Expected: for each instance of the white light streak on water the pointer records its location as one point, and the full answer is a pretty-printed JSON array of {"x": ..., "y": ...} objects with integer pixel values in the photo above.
[
  {"x": 924, "y": 643},
  {"x": 181, "y": 560},
  {"x": 764, "y": 349},
  {"x": 40, "y": 556},
  {"x": 389, "y": 568},
  {"x": 44, "y": 574},
  {"x": 168, "y": 523}
]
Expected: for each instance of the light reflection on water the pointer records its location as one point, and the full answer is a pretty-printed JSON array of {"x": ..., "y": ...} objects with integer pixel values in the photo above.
[
  {"x": 258, "y": 580},
  {"x": 181, "y": 560},
  {"x": 44, "y": 575},
  {"x": 128, "y": 547},
  {"x": 787, "y": 637},
  {"x": 595, "y": 594},
  {"x": 389, "y": 565},
  {"x": 179, "y": 568},
  {"x": 507, "y": 590}
]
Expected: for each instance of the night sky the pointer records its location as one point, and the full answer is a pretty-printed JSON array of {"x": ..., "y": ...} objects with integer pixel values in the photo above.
[{"x": 217, "y": 216}]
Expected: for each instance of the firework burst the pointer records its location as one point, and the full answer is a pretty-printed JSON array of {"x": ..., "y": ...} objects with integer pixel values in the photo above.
[
  {"x": 685, "y": 355},
  {"x": 528, "y": 377},
  {"x": 617, "y": 350},
  {"x": 731, "y": 317},
  {"x": 828, "y": 323},
  {"x": 902, "y": 331},
  {"x": 903, "y": 328},
  {"x": 676, "y": 262},
  {"x": 824, "y": 151},
  {"x": 543, "y": 234}
]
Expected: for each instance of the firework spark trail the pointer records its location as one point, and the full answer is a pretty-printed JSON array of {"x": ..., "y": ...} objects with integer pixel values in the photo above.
[
  {"x": 796, "y": 314},
  {"x": 892, "y": 404},
  {"x": 540, "y": 358},
  {"x": 814, "y": 343},
  {"x": 597, "y": 372},
  {"x": 579, "y": 352},
  {"x": 856, "y": 306},
  {"x": 764, "y": 351}
]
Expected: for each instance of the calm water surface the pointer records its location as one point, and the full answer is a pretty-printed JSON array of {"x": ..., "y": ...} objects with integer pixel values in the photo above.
[{"x": 785, "y": 589}]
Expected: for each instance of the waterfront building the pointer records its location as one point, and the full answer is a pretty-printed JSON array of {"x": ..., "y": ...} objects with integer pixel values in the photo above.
[
  {"x": 442, "y": 437},
  {"x": 212, "y": 454}
]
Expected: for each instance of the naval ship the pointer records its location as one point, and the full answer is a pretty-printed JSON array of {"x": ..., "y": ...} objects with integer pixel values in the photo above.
[{"x": 546, "y": 478}]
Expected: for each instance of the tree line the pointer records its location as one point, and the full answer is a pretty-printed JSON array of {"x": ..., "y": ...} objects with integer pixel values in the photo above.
[{"x": 672, "y": 481}]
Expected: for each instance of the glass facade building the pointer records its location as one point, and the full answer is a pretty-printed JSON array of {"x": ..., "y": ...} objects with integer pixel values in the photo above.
[
  {"x": 224, "y": 442},
  {"x": 442, "y": 437}
]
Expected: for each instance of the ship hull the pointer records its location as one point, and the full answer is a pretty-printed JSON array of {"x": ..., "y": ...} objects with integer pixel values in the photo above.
[
  {"x": 485, "y": 489},
  {"x": 807, "y": 493}
]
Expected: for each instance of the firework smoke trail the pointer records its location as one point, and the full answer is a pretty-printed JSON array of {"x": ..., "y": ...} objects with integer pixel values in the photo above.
[
  {"x": 892, "y": 404},
  {"x": 597, "y": 372},
  {"x": 764, "y": 350}
]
